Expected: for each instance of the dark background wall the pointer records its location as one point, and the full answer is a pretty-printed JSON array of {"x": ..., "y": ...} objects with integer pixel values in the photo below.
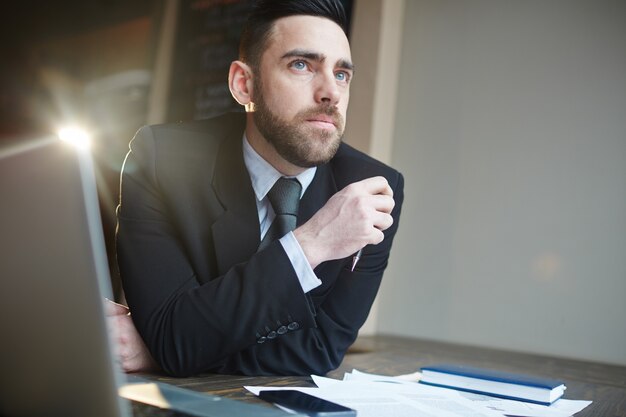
[
  {"x": 79, "y": 62},
  {"x": 91, "y": 63}
]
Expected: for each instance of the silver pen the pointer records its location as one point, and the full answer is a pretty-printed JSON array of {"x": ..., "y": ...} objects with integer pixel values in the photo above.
[{"x": 356, "y": 258}]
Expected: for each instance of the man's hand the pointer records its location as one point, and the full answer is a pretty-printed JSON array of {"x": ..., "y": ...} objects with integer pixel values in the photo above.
[
  {"x": 131, "y": 351},
  {"x": 354, "y": 217}
]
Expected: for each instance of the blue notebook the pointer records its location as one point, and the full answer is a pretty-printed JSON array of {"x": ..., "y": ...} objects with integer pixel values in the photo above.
[{"x": 495, "y": 383}]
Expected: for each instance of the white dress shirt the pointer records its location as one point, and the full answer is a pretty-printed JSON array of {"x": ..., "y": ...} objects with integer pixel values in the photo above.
[{"x": 263, "y": 176}]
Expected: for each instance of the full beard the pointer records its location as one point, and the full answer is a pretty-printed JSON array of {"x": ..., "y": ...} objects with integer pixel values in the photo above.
[{"x": 296, "y": 140}]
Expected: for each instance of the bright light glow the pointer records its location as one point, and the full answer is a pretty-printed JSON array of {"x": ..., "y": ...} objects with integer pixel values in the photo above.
[{"x": 75, "y": 136}]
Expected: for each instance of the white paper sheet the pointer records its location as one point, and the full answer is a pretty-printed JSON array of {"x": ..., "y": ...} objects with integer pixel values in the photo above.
[{"x": 561, "y": 408}]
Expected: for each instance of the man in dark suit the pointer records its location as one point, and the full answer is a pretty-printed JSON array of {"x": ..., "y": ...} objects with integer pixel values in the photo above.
[{"x": 208, "y": 288}]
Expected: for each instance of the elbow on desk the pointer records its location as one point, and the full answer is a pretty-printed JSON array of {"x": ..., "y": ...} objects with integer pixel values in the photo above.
[
  {"x": 179, "y": 356},
  {"x": 281, "y": 362},
  {"x": 181, "y": 366},
  {"x": 180, "y": 369},
  {"x": 175, "y": 367}
]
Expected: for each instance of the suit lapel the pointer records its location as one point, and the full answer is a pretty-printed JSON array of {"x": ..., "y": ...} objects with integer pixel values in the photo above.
[
  {"x": 317, "y": 194},
  {"x": 236, "y": 233}
]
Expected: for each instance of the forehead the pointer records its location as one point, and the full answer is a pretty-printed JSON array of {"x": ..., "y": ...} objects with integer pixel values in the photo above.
[{"x": 312, "y": 33}]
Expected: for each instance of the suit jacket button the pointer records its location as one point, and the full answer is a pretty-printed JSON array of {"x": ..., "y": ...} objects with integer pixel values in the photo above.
[
  {"x": 261, "y": 339},
  {"x": 271, "y": 335},
  {"x": 293, "y": 325},
  {"x": 281, "y": 330}
]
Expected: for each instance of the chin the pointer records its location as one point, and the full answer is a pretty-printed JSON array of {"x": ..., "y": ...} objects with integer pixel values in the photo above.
[{"x": 320, "y": 156}]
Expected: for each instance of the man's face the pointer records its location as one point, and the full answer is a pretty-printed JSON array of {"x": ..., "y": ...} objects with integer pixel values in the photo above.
[{"x": 301, "y": 89}]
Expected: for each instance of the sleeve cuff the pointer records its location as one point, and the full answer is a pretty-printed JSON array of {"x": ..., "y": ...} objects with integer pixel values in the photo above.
[{"x": 306, "y": 276}]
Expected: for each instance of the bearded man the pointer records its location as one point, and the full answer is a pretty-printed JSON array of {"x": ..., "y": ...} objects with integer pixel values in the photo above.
[{"x": 219, "y": 277}]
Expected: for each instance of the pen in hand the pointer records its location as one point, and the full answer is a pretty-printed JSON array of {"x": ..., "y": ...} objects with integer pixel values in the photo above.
[{"x": 356, "y": 258}]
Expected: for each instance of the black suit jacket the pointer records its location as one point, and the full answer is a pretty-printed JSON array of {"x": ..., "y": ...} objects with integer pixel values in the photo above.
[{"x": 201, "y": 295}]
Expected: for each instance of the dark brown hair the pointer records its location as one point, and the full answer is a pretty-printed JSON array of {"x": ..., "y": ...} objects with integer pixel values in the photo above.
[{"x": 264, "y": 13}]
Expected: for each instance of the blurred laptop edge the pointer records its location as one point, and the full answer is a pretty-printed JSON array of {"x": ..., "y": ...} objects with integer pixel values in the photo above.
[{"x": 56, "y": 355}]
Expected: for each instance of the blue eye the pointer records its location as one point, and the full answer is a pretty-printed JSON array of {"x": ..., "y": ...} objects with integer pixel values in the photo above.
[
  {"x": 299, "y": 65},
  {"x": 342, "y": 76}
]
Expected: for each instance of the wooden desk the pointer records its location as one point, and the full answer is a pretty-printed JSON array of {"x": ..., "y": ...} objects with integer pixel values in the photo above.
[{"x": 605, "y": 385}]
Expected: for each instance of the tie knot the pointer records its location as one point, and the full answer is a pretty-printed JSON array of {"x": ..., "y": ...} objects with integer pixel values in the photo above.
[{"x": 285, "y": 196}]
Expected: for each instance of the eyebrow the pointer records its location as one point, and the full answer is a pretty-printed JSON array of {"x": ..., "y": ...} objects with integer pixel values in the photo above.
[{"x": 315, "y": 56}]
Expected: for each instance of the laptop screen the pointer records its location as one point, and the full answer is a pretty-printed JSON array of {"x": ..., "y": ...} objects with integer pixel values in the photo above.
[
  {"x": 55, "y": 353},
  {"x": 56, "y": 358}
]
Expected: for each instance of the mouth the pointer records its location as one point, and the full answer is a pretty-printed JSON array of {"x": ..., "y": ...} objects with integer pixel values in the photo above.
[{"x": 323, "y": 121}]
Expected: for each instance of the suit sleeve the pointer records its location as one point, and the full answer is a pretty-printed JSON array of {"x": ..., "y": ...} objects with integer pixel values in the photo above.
[
  {"x": 339, "y": 314},
  {"x": 192, "y": 327}
]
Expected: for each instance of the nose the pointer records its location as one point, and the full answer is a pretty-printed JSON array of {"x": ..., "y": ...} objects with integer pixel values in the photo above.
[{"x": 327, "y": 90}]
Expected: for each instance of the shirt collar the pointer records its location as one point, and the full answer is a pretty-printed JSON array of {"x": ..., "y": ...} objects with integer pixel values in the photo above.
[{"x": 263, "y": 175}]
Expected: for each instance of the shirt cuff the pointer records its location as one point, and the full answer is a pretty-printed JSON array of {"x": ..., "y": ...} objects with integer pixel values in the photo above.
[{"x": 304, "y": 272}]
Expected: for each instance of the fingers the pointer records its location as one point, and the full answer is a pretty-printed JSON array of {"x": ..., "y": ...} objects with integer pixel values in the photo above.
[
  {"x": 382, "y": 221},
  {"x": 375, "y": 210},
  {"x": 371, "y": 229},
  {"x": 376, "y": 207},
  {"x": 351, "y": 219},
  {"x": 376, "y": 185},
  {"x": 383, "y": 203},
  {"x": 130, "y": 350},
  {"x": 112, "y": 308}
]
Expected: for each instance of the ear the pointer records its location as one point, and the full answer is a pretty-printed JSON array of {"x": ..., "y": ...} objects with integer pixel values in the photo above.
[{"x": 240, "y": 83}]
